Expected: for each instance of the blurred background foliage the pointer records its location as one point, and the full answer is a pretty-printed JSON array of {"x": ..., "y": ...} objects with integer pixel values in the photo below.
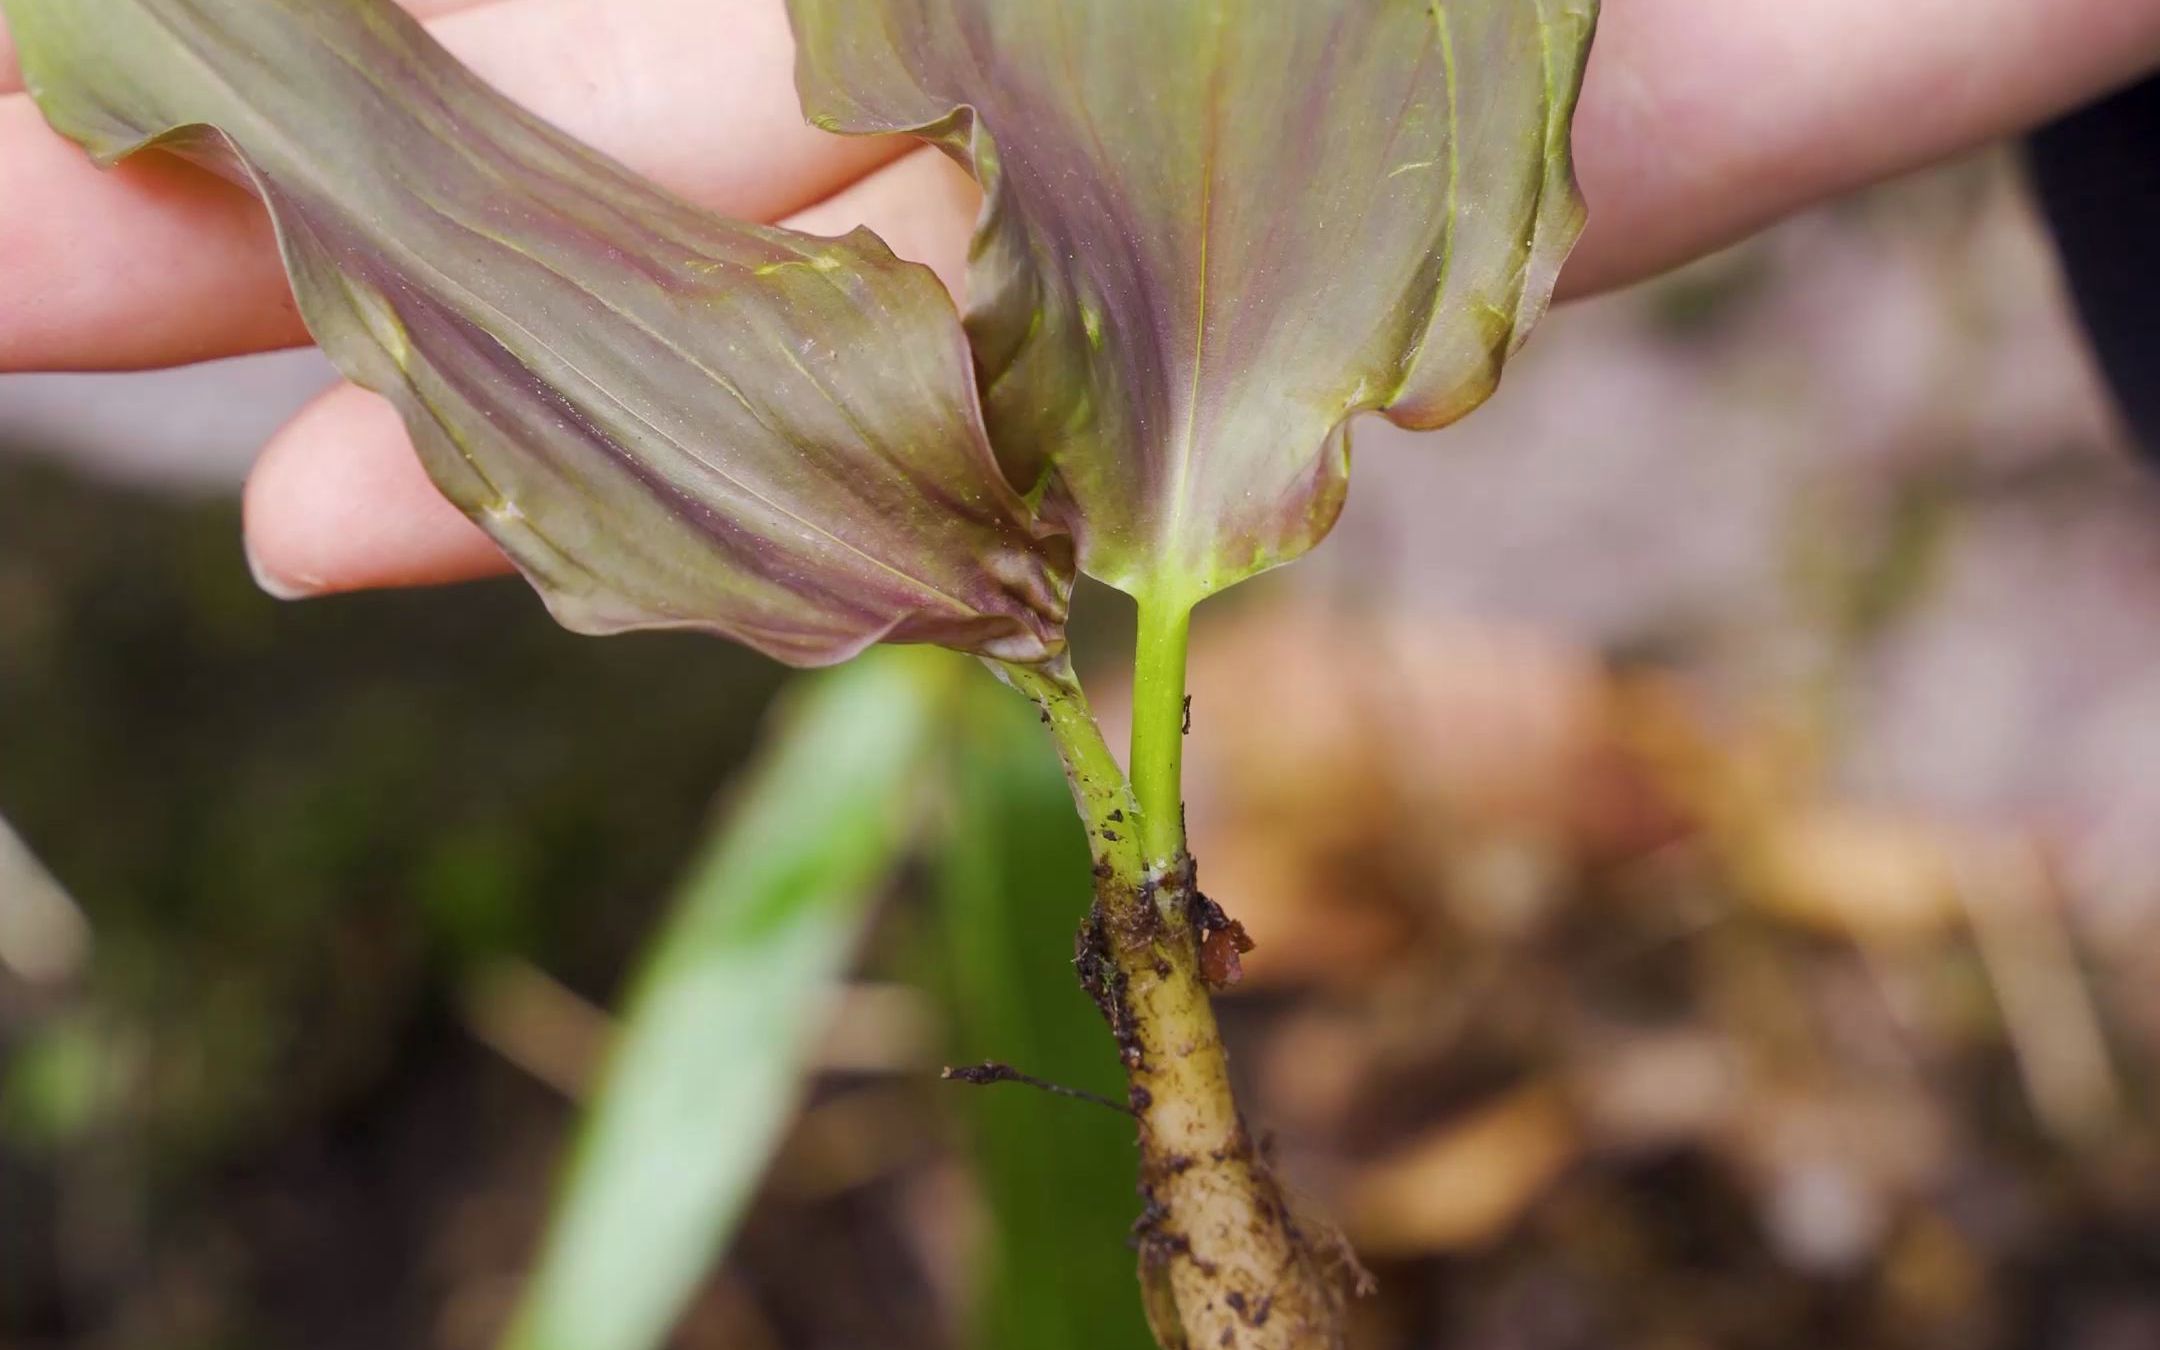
[{"x": 1698, "y": 821}]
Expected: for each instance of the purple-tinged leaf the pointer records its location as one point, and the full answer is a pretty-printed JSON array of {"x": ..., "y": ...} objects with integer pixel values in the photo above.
[
  {"x": 1216, "y": 231},
  {"x": 666, "y": 419}
]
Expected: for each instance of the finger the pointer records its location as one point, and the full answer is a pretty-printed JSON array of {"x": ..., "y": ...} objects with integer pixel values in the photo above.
[
  {"x": 922, "y": 206},
  {"x": 339, "y": 502},
  {"x": 157, "y": 263},
  {"x": 1700, "y": 123},
  {"x": 11, "y": 71},
  {"x": 1703, "y": 122}
]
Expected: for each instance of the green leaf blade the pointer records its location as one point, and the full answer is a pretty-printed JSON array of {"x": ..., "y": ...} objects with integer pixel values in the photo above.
[
  {"x": 666, "y": 419},
  {"x": 1215, "y": 233},
  {"x": 718, "y": 1029}
]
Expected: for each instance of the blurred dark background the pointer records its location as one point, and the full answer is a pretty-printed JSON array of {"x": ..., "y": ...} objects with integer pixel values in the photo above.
[
  {"x": 1698, "y": 819},
  {"x": 258, "y": 1114}
]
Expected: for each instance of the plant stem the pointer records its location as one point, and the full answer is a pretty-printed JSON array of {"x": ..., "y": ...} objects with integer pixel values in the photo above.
[
  {"x": 1158, "y": 726},
  {"x": 1100, "y": 790},
  {"x": 1222, "y": 1263}
]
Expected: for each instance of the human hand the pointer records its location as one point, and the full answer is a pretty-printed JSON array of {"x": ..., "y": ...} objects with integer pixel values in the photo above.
[{"x": 1701, "y": 121}]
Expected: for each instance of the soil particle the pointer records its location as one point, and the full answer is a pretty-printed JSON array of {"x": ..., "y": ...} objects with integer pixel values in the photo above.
[
  {"x": 1106, "y": 984},
  {"x": 1223, "y": 941},
  {"x": 1147, "y": 1228},
  {"x": 1220, "y": 957}
]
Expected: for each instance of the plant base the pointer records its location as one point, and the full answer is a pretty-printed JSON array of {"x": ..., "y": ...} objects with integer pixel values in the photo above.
[{"x": 1224, "y": 1263}]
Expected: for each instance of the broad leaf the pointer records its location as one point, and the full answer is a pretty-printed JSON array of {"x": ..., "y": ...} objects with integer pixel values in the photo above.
[
  {"x": 1216, "y": 231},
  {"x": 1012, "y": 881},
  {"x": 717, "y": 1031},
  {"x": 666, "y": 419}
]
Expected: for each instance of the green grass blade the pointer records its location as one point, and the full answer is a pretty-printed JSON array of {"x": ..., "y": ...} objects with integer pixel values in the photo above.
[
  {"x": 717, "y": 1029},
  {"x": 1013, "y": 885}
]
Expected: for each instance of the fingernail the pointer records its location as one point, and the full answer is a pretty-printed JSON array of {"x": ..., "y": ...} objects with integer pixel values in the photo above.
[{"x": 278, "y": 586}]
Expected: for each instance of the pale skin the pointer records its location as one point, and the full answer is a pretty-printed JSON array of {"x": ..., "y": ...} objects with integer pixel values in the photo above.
[{"x": 1702, "y": 121}]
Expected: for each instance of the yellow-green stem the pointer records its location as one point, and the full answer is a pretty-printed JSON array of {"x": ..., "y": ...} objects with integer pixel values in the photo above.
[
  {"x": 1158, "y": 726},
  {"x": 1100, "y": 789}
]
